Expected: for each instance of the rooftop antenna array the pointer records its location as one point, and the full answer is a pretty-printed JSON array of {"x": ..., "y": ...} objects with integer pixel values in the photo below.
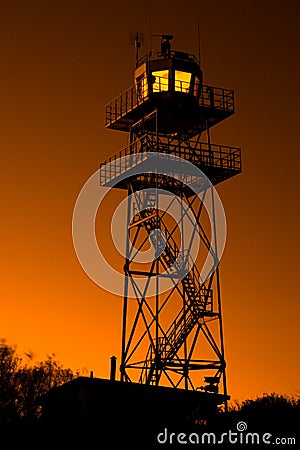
[
  {"x": 165, "y": 45},
  {"x": 199, "y": 42}
]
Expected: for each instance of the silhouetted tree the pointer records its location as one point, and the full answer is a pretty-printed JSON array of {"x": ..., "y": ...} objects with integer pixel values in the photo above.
[
  {"x": 33, "y": 382},
  {"x": 22, "y": 385},
  {"x": 9, "y": 365},
  {"x": 274, "y": 412}
]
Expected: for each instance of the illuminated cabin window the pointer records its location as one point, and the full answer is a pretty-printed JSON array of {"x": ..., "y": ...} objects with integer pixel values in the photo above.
[
  {"x": 160, "y": 80},
  {"x": 142, "y": 87},
  {"x": 182, "y": 81}
]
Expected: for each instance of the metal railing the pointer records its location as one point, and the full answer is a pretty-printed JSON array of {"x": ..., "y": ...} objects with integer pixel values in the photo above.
[
  {"x": 210, "y": 97},
  {"x": 201, "y": 154},
  {"x": 182, "y": 86},
  {"x": 174, "y": 54},
  {"x": 198, "y": 153},
  {"x": 126, "y": 102},
  {"x": 217, "y": 98}
]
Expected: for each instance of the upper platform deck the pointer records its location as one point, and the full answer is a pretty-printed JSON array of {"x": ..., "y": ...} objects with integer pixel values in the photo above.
[{"x": 177, "y": 110}]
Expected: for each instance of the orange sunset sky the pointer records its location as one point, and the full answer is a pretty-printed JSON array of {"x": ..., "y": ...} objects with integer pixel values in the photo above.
[{"x": 61, "y": 62}]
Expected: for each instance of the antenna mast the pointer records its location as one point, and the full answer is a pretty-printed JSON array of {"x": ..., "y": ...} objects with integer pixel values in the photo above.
[
  {"x": 149, "y": 28},
  {"x": 136, "y": 39},
  {"x": 199, "y": 43},
  {"x": 137, "y": 46}
]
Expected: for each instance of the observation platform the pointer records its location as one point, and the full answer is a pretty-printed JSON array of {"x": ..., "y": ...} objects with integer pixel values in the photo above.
[
  {"x": 217, "y": 162},
  {"x": 176, "y": 109}
]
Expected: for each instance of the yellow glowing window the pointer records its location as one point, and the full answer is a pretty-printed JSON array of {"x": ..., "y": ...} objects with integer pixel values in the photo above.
[
  {"x": 160, "y": 80},
  {"x": 142, "y": 87},
  {"x": 182, "y": 81}
]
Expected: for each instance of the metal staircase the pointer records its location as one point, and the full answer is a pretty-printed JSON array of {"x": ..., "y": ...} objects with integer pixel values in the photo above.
[{"x": 198, "y": 297}]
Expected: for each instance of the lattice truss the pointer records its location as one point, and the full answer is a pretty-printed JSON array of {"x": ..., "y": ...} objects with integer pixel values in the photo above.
[{"x": 172, "y": 327}]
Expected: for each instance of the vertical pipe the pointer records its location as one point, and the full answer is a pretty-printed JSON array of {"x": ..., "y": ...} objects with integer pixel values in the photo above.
[
  {"x": 157, "y": 355},
  {"x": 149, "y": 30},
  {"x": 157, "y": 350},
  {"x": 199, "y": 44},
  {"x": 113, "y": 366},
  {"x": 223, "y": 364},
  {"x": 124, "y": 321},
  {"x": 210, "y": 156},
  {"x": 186, "y": 371},
  {"x": 222, "y": 340}
]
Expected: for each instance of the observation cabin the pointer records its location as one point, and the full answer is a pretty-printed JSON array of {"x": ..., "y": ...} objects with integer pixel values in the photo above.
[{"x": 172, "y": 85}]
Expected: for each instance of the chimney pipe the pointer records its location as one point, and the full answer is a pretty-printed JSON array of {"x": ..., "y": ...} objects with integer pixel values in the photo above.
[{"x": 113, "y": 365}]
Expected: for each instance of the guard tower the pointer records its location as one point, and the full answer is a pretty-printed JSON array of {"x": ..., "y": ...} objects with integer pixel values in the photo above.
[{"x": 173, "y": 338}]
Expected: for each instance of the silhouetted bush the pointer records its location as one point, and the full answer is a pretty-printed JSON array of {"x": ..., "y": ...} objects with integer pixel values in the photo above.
[
  {"x": 269, "y": 412},
  {"x": 22, "y": 385}
]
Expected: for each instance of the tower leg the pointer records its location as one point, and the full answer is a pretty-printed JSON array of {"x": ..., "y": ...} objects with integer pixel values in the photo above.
[{"x": 125, "y": 301}]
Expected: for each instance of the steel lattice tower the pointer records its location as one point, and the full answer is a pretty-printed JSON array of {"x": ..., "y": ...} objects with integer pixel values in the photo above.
[{"x": 174, "y": 337}]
